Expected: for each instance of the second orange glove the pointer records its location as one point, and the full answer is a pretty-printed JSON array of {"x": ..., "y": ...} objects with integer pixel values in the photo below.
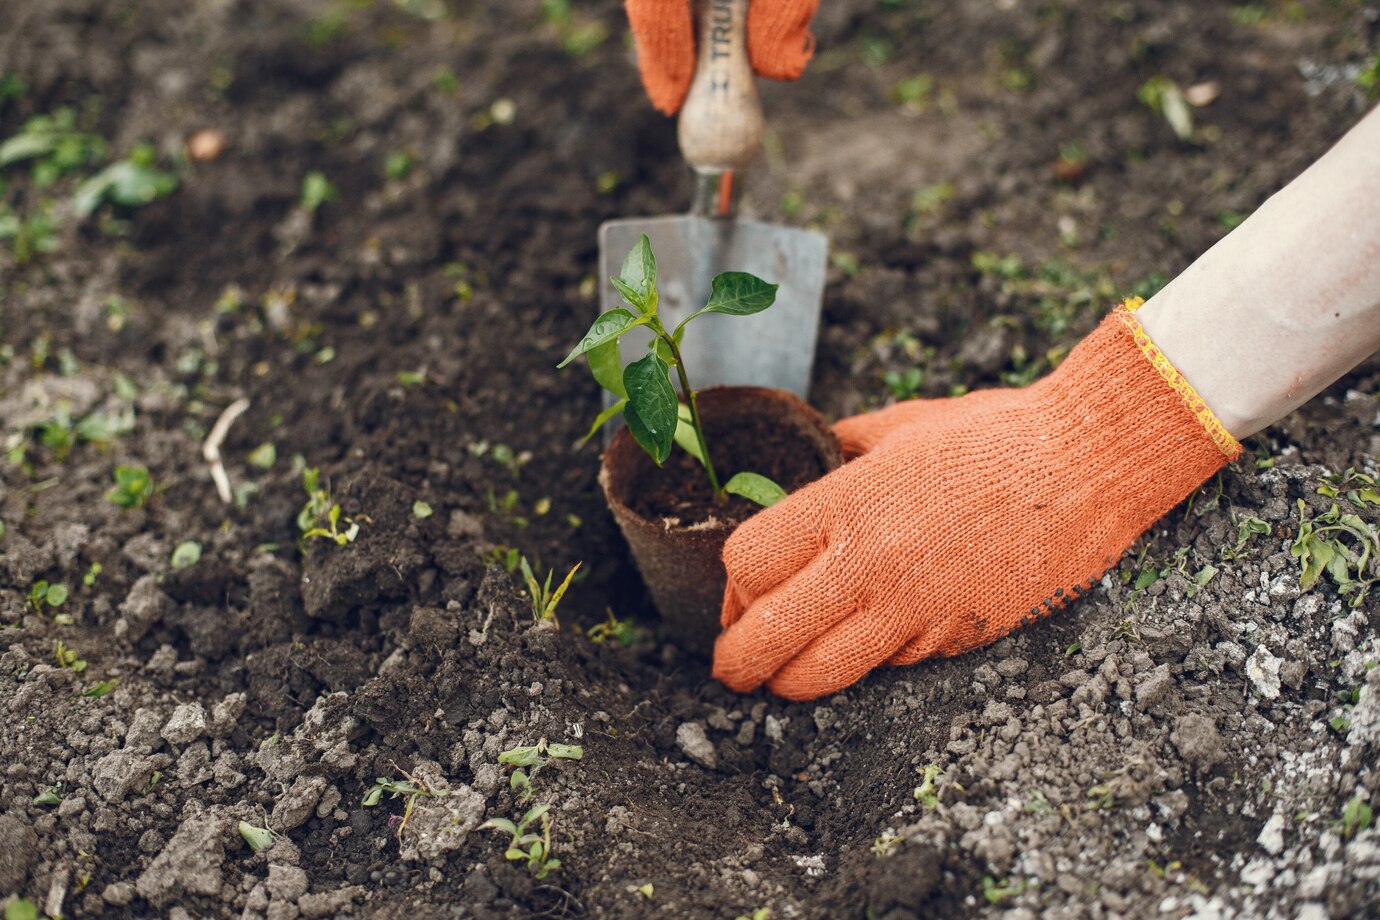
[{"x": 779, "y": 43}]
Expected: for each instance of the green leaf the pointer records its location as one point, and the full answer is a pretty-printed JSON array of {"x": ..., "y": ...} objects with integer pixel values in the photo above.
[
  {"x": 56, "y": 595},
  {"x": 554, "y": 600},
  {"x": 604, "y": 416},
  {"x": 737, "y": 294},
  {"x": 533, "y": 814},
  {"x": 606, "y": 364},
  {"x": 22, "y": 909},
  {"x": 256, "y": 837},
  {"x": 421, "y": 510},
  {"x": 685, "y": 433},
  {"x": 100, "y": 689},
  {"x": 123, "y": 183},
  {"x": 26, "y": 147},
  {"x": 187, "y": 554},
  {"x": 1315, "y": 554},
  {"x": 651, "y": 410},
  {"x": 1356, "y": 816},
  {"x": 607, "y": 328},
  {"x": 500, "y": 824},
  {"x": 1146, "y": 578},
  {"x": 755, "y": 487},
  {"x": 638, "y": 275},
  {"x": 630, "y": 295},
  {"x": 740, "y": 294},
  {"x": 520, "y": 756},
  {"x": 264, "y": 456},
  {"x": 317, "y": 190},
  {"x": 566, "y": 751}
]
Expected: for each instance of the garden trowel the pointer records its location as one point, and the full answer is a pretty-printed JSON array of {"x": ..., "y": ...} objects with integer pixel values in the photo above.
[{"x": 719, "y": 131}]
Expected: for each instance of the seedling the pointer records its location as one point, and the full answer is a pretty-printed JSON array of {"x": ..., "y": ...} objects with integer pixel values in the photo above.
[
  {"x": 887, "y": 842},
  {"x": 264, "y": 456},
  {"x": 133, "y": 487},
  {"x": 100, "y": 689},
  {"x": 410, "y": 787},
  {"x": 927, "y": 793},
  {"x": 1163, "y": 96},
  {"x": 50, "y": 796},
  {"x": 1369, "y": 77},
  {"x": 521, "y": 785},
  {"x": 544, "y": 600},
  {"x": 904, "y": 384},
  {"x": 92, "y": 574},
  {"x": 1246, "y": 529},
  {"x": 1342, "y": 545},
  {"x": 258, "y": 838},
  {"x": 388, "y": 784},
  {"x": 68, "y": 658},
  {"x": 534, "y": 755},
  {"x": 332, "y": 530},
  {"x": 22, "y": 909},
  {"x": 997, "y": 891},
  {"x": 1356, "y": 817},
  {"x": 526, "y": 845},
  {"x": 316, "y": 191},
  {"x": 319, "y": 504},
  {"x": 44, "y": 594},
  {"x": 186, "y": 555},
  {"x": 506, "y": 556},
  {"x": 621, "y": 631},
  {"x": 130, "y": 183},
  {"x": 646, "y": 398},
  {"x": 1358, "y": 488}
]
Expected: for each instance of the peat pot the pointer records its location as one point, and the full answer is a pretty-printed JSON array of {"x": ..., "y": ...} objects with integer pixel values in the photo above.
[{"x": 668, "y": 516}]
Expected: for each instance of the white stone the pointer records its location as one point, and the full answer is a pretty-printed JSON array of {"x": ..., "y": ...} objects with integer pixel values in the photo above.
[
  {"x": 1272, "y": 835},
  {"x": 1262, "y": 668}
]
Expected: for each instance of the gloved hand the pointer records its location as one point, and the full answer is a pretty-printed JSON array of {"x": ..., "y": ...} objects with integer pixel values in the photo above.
[
  {"x": 779, "y": 43},
  {"x": 963, "y": 519}
]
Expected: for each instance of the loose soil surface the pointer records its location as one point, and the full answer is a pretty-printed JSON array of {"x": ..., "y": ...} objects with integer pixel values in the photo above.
[
  {"x": 680, "y": 490},
  {"x": 1196, "y": 737}
]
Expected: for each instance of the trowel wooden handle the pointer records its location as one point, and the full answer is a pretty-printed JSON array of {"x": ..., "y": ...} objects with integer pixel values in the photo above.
[{"x": 721, "y": 122}]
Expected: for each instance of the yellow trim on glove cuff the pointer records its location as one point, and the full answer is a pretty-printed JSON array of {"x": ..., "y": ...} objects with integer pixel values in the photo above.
[{"x": 1227, "y": 444}]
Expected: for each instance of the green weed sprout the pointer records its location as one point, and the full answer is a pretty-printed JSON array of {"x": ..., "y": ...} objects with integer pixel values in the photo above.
[
  {"x": 133, "y": 487},
  {"x": 319, "y": 504},
  {"x": 646, "y": 398},
  {"x": 410, "y": 788},
  {"x": 1339, "y": 544},
  {"x": 544, "y": 600},
  {"x": 526, "y": 845},
  {"x": 42, "y": 593},
  {"x": 624, "y": 632},
  {"x": 257, "y": 837}
]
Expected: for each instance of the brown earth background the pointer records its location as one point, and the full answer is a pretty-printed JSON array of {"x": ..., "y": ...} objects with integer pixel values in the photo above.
[{"x": 1198, "y": 736}]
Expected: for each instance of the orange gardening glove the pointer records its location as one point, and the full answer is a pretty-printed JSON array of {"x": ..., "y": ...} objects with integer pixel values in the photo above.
[
  {"x": 963, "y": 519},
  {"x": 779, "y": 43}
]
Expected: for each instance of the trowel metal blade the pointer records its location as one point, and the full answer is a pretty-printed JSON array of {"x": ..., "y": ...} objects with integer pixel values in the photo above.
[{"x": 774, "y": 348}]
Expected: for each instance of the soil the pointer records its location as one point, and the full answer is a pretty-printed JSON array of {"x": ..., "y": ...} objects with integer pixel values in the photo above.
[
  {"x": 1172, "y": 745},
  {"x": 680, "y": 490}
]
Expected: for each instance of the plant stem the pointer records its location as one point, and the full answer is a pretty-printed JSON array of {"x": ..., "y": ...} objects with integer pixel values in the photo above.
[{"x": 719, "y": 494}]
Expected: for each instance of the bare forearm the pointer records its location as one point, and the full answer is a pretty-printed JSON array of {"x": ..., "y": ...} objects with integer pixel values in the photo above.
[{"x": 1290, "y": 300}]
